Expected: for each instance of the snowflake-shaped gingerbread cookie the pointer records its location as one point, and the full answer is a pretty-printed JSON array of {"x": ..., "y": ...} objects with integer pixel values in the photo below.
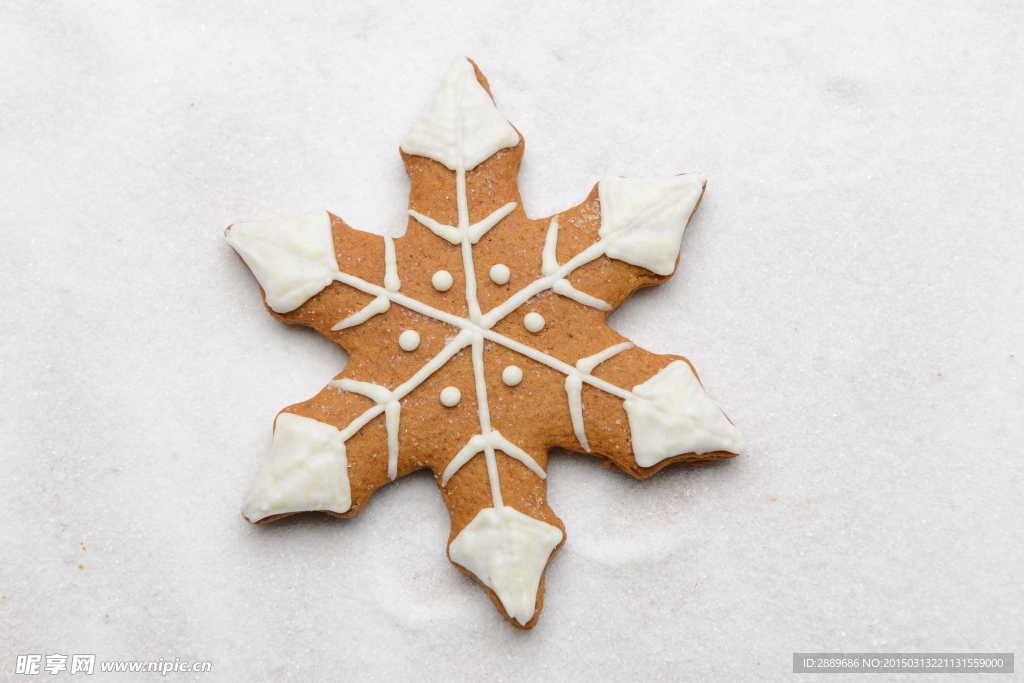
[{"x": 478, "y": 342}]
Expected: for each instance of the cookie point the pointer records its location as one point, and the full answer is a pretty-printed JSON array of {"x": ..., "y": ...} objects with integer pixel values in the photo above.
[
  {"x": 461, "y": 127},
  {"x": 293, "y": 258},
  {"x": 643, "y": 219},
  {"x": 670, "y": 414},
  {"x": 307, "y": 470},
  {"x": 508, "y": 552}
]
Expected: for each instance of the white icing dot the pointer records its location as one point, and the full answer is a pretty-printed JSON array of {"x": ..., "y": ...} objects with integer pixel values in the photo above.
[
  {"x": 409, "y": 340},
  {"x": 442, "y": 280},
  {"x": 450, "y": 396},
  {"x": 500, "y": 273},
  {"x": 534, "y": 322},
  {"x": 512, "y": 375}
]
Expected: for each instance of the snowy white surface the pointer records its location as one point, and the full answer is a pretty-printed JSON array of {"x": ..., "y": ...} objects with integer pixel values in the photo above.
[{"x": 850, "y": 292}]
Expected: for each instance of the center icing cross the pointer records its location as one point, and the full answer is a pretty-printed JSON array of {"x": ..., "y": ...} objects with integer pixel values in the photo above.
[{"x": 483, "y": 333}]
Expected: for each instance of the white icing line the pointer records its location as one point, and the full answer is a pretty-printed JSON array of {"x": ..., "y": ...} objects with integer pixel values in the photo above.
[
  {"x": 485, "y": 418},
  {"x": 460, "y": 342},
  {"x": 574, "y": 392},
  {"x": 554, "y": 363},
  {"x": 374, "y": 392},
  {"x": 565, "y": 289},
  {"x": 403, "y": 300},
  {"x": 514, "y": 451},
  {"x": 355, "y": 425},
  {"x": 448, "y": 232},
  {"x": 587, "y": 365},
  {"x": 466, "y": 325},
  {"x": 480, "y": 443},
  {"x": 467, "y": 248},
  {"x": 541, "y": 284},
  {"x": 392, "y": 414},
  {"x": 379, "y": 305},
  {"x": 391, "y": 281},
  {"x": 574, "y": 387},
  {"x": 474, "y": 446},
  {"x": 479, "y": 229},
  {"x": 549, "y": 258}
]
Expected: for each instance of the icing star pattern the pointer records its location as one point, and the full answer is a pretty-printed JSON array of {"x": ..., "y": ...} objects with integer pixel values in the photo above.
[{"x": 450, "y": 345}]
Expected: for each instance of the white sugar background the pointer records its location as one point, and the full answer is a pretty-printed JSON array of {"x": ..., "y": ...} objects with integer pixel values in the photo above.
[{"x": 850, "y": 292}]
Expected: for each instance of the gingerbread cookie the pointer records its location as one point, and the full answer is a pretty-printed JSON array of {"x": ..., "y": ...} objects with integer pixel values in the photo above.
[{"x": 478, "y": 343}]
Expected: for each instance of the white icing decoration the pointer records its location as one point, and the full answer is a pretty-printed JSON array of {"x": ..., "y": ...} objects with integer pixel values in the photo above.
[
  {"x": 448, "y": 232},
  {"x": 494, "y": 440},
  {"x": 409, "y": 340},
  {"x": 293, "y": 259},
  {"x": 391, "y": 281},
  {"x": 461, "y": 127},
  {"x": 379, "y": 305},
  {"x": 500, "y": 273},
  {"x": 392, "y": 413},
  {"x": 642, "y": 220},
  {"x": 479, "y": 229},
  {"x": 534, "y": 322},
  {"x": 574, "y": 387},
  {"x": 450, "y": 396},
  {"x": 549, "y": 259},
  {"x": 512, "y": 375},
  {"x": 508, "y": 552},
  {"x": 454, "y": 234},
  {"x": 307, "y": 470},
  {"x": 671, "y": 414},
  {"x": 442, "y": 281},
  {"x": 565, "y": 289}
]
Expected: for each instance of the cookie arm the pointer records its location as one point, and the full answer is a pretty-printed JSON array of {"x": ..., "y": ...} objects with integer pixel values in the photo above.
[
  {"x": 508, "y": 548},
  {"x": 297, "y": 260},
  {"x": 670, "y": 416},
  {"x": 314, "y": 465}
]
